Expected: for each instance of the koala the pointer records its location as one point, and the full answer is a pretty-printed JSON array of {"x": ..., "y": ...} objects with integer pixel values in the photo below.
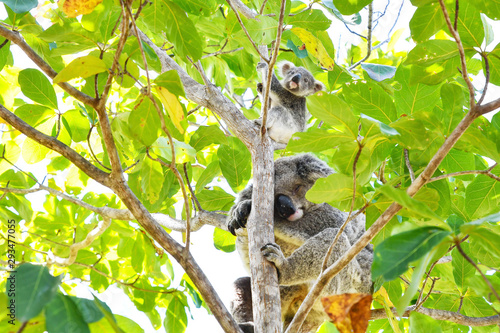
[
  {"x": 303, "y": 233},
  {"x": 287, "y": 108}
]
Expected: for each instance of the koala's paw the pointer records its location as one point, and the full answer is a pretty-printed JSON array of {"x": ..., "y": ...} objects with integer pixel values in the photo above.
[
  {"x": 239, "y": 216},
  {"x": 261, "y": 65},
  {"x": 272, "y": 252}
]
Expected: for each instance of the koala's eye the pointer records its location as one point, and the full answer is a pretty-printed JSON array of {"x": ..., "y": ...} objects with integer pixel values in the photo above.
[
  {"x": 306, "y": 80},
  {"x": 297, "y": 188}
]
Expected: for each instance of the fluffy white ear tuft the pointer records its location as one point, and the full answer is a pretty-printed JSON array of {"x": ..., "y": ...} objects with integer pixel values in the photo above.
[
  {"x": 285, "y": 66},
  {"x": 318, "y": 86}
]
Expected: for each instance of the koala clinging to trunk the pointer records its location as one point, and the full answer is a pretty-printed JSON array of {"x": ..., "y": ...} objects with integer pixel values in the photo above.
[
  {"x": 303, "y": 231},
  {"x": 287, "y": 111}
]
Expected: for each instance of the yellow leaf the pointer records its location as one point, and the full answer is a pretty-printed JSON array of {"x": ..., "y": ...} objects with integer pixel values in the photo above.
[
  {"x": 315, "y": 47},
  {"x": 73, "y": 8},
  {"x": 173, "y": 107},
  {"x": 81, "y": 67},
  {"x": 349, "y": 312}
]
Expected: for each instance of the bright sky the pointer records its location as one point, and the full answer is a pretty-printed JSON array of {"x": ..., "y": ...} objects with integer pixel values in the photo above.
[{"x": 222, "y": 268}]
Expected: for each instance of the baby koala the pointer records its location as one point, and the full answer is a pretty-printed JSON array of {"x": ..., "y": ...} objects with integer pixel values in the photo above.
[{"x": 287, "y": 111}]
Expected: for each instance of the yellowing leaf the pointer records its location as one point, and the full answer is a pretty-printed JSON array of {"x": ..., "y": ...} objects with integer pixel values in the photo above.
[
  {"x": 81, "y": 67},
  {"x": 173, "y": 107},
  {"x": 73, "y": 8},
  {"x": 349, "y": 312},
  {"x": 315, "y": 47}
]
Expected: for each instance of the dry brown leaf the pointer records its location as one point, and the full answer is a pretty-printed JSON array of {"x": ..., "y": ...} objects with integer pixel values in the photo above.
[{"x": 349, "y": 312}]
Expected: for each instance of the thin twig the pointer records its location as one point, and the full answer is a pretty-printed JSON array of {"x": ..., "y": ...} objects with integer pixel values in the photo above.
[
  {"x": 460, "y": 47},
  {"x": 486, "y": 172},
  {"x": 408, "y": 165},
  {"x": 487, "y": 74},
  {"x": 262, "y": 7},
  {"x": 368, "y": 39},
  {"x": 92, "y": 151},
  {"x": 221, "y": 52},
  {"x": 455, "y": 24},
  {"x": 193, "y": 196},
  {"x": 271, "y": 63}
]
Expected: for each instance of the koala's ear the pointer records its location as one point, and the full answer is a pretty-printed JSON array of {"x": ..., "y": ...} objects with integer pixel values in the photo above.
[
  {"x": 285, "y": 67},
  {"x": 311, "y": 168},
  {"x": 318, "y": 86}
]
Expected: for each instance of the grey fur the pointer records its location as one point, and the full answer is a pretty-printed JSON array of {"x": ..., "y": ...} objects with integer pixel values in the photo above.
[
  {"x": 302, "y": 244},
  {"x": 287, "y": 111}
]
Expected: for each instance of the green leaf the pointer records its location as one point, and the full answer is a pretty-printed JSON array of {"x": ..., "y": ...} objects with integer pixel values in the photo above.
[
  {"x": 469, "y": 24},
  {"x": 402, "y": 198},
  {"x": 37, "y": 87},
  {"x": 38, "y": 288},
  {"x": 489, "y": 7},
  {"x": 350, "y": 7},
  {"x": 379, "y": 72},
  {"x": 81, "y": 67},
  {"x": 197, "y": 7},
  {"x": 215, "y": 199},
  {"x": 183, "y": 152},
  {"x": 486, "y": 239},
  {"x": 413, "y": 134},
  {"x": 317, "y": 140},
  {"x": 482, "y": 196},
  {"x": 426, "y": 21},
  {"x": 175, "y": 317},
  {"x": 62, "y": 315},
  {"x": 494, "y": 62},
  {"x": 458, "y": 160},
  {"x": 422, "y": 323},
  {"x": 432, "y": 51},
  {"x": 392, "y": 257},
  {"x": 171, "y": 81},
  {"x": 181, "y": 31},
  {"x": 262, "y": 31},
  {"x": 151, "y": 179},
  {"x": 33, "y": 152},
  {"x": 333, "y": 111},
  {"x": 138, "y": 254},
  {"x": 144, "y": 121},
  {"x": 370, "y": 99},
  {"x": 335, "y": 187},
  {"x": 212, "y": 170},
  {"x": 488, "y": 30},
  {"x": 20, "y": 6},
  {"x": 235, "y": 163},
  {"x": 312, "y": 19},
  {"x": 338, "y": 76},
  {"x": 88, "y": 309},
  {"x": 435, "y": 73},
  {"x": 34, "y": 114},
  {"x": 462, "y": 269},
  {"x": 207, "y": 135},
  {"x": 79, "y": 125},
  {"x": 224, "y": 240},
  {"x": 410, "y": 99}
]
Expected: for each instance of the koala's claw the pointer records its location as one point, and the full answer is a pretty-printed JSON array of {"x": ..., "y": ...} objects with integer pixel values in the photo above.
[
  {"x": 272, "y": 252},
  {"x": 239, "y": 216}
]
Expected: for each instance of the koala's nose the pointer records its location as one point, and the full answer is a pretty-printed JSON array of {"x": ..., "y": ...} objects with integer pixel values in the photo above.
[
  {"x": 284, "y": 206},
  {"x": 296, "y": 78}
]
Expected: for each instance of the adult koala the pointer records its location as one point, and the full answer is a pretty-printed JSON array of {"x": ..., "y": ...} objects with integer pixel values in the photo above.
[{"x": 303, "y": 231}]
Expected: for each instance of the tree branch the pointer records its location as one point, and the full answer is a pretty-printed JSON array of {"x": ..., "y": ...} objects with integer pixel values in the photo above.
[
  {"x": 212, "y": 99},
  {"x": 247, "y": 12},
  {"x": 55, "y": 145},
  {"x": 203, "y": 218},
  {"x": 451, "y": 316},
  {"x": 16, "y": 38},
  {"x": 73, "y": 249}
]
